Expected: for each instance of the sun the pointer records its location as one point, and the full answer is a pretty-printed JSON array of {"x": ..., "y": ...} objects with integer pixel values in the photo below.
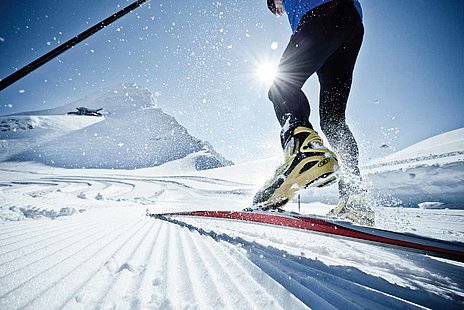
[{"x": 265, "y": 72}]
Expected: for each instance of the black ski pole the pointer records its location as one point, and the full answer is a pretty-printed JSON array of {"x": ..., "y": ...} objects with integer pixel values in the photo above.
[{"x": 4, "y": 83}]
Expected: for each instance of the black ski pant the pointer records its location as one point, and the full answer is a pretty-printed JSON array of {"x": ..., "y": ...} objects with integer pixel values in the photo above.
[{"x": 326, "y": 42}]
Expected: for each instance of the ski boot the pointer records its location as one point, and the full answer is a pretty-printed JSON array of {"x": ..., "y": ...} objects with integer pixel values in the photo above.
[
  {"x": 307, "y": 163},
  {"x": 353, "y": 205}
]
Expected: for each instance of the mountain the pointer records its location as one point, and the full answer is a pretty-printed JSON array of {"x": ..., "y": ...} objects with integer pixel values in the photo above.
[{"x": 134, "y": 133}]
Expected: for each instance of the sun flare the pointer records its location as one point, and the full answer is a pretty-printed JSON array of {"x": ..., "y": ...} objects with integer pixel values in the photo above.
[{"x": 266, "y": 72}]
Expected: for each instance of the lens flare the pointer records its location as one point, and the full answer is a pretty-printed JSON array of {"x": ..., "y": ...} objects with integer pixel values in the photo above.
[{"x": 266, "y": 72}]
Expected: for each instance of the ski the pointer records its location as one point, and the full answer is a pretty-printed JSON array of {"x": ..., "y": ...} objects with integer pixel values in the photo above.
[{"x": 410, "y": 242}]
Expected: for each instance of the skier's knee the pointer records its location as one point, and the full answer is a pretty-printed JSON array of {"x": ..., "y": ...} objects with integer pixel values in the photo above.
[{"x": 282, "y": 89}]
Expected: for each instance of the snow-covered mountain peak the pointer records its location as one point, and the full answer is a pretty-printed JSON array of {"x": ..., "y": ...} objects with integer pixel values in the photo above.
[
  {"x": 133, "y": 134},
  {"x": 123, "y": 98}
]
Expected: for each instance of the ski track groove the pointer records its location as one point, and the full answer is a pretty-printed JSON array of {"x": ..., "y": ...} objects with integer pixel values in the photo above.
[
  {"x": 243, "y": 279},
  {"x": 24, "y": 189},
  {"x": 282, "y": 245},
  {"x": 80, "y": 296},
  {"x": 142, "y": 259},
  {"x": 55, "y": 226},
  {"x": 264, "y": 271},
  {"x": 110, "y": 188},
  {"x": 43, "y": 298},
  {"x": 229, "y": 284},
  {"x": 29, "y": 247},
  {"x": 205, "y": 277},
  {"x": 38, "y": 229},
  {"x": 179, "y": 292},
  {"x": 23, "y": 285},
  {"x": 387, "y": 297},
  {"x": 13, "y": 232},
  {"x": 19, "y": 225},
  {"x": 119, "y": 256},
  {"x": 313, "y": 284},
  {"x": 273, "y": 294},
  {"x": 157, "y": 271},
  {"x": 275, "y": 260},
  {"x": 196, "y": 276},
  {"x": 148, "y": 260},
  {"x": 273, "y": 271},
  {"x": 328, "y": 286},
  {"x": 48, "y": 254}
]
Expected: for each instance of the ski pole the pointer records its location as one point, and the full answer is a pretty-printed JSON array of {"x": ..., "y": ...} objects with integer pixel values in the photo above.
[{"x": 4, "y": 83}]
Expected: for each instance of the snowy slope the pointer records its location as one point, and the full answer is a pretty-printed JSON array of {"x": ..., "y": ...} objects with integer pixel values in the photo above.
[
  {"x": 133, "y": 134},
  {"x": 447, "y": 144},
  {"x": 79, "y": 239},
  {"x": 430, "y": 172}
]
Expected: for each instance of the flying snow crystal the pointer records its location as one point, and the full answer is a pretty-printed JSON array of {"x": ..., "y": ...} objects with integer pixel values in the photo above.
[
  {"x": 49, "y": 43},
  {"x": 274, "y": 45},
  {"x": 2, "y": 39},
  {"x": 21, "y": 91}
]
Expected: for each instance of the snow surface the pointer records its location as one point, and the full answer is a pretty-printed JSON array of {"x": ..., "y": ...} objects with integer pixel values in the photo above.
[
  {"x": 429, "y": 171},
  {"x": 79, "y": 239}
]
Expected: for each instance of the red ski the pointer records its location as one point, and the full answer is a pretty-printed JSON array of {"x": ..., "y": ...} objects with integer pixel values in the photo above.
[{"x": 410, "y": 242}]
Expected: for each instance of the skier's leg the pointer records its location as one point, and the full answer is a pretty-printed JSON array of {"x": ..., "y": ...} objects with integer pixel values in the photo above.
[
  {"x": 320, "y": 33},
  {"x": 335, "y": 79},
  {"x": 307, "y": 161}
]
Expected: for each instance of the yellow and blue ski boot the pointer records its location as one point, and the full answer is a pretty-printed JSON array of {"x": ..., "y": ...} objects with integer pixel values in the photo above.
[{"x": 307, "y": 163}]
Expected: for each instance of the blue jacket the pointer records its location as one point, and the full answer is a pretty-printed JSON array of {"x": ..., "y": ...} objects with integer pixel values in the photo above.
[{"x": 296, "y": 9}]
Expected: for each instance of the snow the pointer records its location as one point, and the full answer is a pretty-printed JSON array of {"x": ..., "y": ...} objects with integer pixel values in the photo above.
[
  {"x": 434, "y": 168},
  {"x": 133, "y": 134},
  {"x": 446, "y": 143},
  {"x": 80, "y": 238}
]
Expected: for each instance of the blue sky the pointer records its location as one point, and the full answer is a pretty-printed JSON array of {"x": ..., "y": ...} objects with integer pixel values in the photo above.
[{"x": 202, "y": 57}]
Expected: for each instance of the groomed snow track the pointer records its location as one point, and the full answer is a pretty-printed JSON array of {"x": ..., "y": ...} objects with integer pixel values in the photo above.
[
  {"x": 82, "y": 240},
  {"x": 123, "y": 259}
]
